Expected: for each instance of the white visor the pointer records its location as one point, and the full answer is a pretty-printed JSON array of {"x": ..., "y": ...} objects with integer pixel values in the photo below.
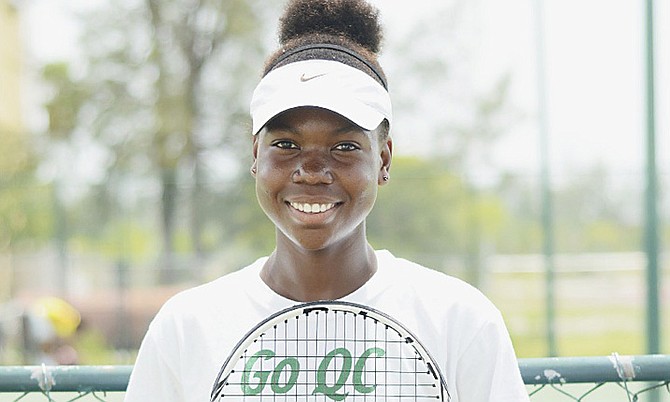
[{"x": 328, "y": 84}]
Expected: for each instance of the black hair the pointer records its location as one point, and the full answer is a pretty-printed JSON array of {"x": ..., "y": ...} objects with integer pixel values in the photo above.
[{"x": 347, "y": 31}]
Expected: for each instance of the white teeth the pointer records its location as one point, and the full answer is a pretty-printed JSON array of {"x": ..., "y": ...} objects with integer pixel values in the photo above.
[{"x": 312, "y": 208}]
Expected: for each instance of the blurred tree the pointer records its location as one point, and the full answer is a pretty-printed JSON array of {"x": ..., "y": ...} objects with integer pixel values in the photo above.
[
  {"x": 67, "y": 98},
  {"x": 427, "y": 212},
  {"x": 521, "y": 230},
  {"x": 65, "y": 102},
  {"x": 457, "y": 121},
  {"x": 441, "y": 98},
  {"x": 594, "y": 213},
  {"x": 22, "y": 215},
  {"x": 167, "y": 90},
  {"x": 169, "y": 84},
  {"x": 253, "y": 229},
  {"x": 22, "y": 218}
]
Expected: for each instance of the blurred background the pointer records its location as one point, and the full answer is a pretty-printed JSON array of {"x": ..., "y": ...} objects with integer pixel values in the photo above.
[{"x": 529, "y": 160}]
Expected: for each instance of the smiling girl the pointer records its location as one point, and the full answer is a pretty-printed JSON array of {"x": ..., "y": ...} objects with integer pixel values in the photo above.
[{"x": 321, "y": 149}]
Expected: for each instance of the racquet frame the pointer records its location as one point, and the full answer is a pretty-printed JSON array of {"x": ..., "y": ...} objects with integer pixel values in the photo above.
[{"x": 336, "y": 306}]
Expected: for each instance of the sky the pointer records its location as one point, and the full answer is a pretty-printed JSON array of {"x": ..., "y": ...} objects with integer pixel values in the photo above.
[
  {"x": 594, "y": 59},
  {"x": 595, "y": 85}
]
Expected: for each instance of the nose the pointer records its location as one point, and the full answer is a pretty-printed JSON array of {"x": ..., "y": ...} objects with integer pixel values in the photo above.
[{"x": 313, "y": 169}]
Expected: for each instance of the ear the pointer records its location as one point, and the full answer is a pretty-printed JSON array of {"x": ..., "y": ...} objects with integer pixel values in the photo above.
[
  {"x": 386, "y": 155},
  {"x": 254, "y": 153}
]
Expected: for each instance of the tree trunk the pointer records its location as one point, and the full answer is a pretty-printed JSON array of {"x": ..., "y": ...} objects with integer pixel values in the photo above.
[{"x": 167, "y": 272}]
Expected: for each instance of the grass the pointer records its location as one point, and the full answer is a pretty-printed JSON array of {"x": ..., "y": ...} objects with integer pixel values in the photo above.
[{"x": 596, "y": 313}]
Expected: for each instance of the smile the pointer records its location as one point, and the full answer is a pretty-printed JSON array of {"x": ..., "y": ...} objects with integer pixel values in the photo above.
[{"x": 311, "y": 208}]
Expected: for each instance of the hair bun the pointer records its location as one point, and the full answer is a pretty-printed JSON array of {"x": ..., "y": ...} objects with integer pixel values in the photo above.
[{"x": 355, "y": 20}]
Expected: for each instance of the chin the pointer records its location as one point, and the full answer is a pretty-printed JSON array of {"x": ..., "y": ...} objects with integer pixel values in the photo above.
[{"x": 312, "y": 243}]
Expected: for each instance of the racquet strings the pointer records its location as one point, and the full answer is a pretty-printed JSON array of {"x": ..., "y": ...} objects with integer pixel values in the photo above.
[{"x": 329, "y": 354}]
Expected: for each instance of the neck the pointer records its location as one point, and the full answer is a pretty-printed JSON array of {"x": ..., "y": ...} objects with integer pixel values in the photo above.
[{"x": 327, "y": 274}]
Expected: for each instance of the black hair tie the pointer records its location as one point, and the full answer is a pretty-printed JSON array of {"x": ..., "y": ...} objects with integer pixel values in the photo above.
[{"x": 330, "y": 46}]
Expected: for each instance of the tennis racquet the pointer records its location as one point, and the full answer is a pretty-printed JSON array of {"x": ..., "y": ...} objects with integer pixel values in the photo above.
[{"x": 330, "y": 351}]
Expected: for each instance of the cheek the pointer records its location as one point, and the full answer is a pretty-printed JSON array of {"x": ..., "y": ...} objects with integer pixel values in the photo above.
[
  {"x": 368, "y": 187},
  {"x": 267, "y": 171},
  {"x": 266, "y": 196},
  {"x": 267, "y": 178},
  {"x": 371, "y": 189}
]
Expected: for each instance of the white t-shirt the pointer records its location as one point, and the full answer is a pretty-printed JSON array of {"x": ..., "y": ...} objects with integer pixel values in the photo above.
[{"x": 196, "y": 330}]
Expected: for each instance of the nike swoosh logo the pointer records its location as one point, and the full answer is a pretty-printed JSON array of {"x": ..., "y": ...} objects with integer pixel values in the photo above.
[{"x": 305, "y": 78}]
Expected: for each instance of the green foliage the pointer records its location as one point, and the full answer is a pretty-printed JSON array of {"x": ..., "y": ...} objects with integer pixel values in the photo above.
[
  {"x": 162, "y": 91},
  {"x": 26, "y": 213},
  {"x": 24, "y": 204},
  {"x": 427, "y": 212},
  {"x": 247, "y": 226},
  {"x": 120, "y": 240},
  {"x": 417, "y": 207},
  {"x": 93, "y": 348},
  {"x": 597, "y": 312},
  {"x": 610, "y": 235},
  {"x": 66, "y": 101}
]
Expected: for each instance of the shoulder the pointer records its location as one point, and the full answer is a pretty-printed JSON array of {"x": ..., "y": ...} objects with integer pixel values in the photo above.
[
  {"x": 209, "y": 297},
  {"x": 436, "y": 302},
  {"x": 432, "y": 285},
  {"x": 457, "y": 323}
]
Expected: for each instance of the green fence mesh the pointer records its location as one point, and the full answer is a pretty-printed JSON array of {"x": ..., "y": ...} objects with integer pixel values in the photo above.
[{"x": 588, "y": 379}]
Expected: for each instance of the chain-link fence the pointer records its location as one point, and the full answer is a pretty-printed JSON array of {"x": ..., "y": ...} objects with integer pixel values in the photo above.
[
  {"x": 621, "y": 391},
  {"x": 589, "y": 379},
  {"x": 64, "y": 397},
  {"x": 63, "y": 383}
]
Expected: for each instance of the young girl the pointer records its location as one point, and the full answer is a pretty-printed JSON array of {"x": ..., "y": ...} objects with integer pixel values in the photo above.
[{"x": 321, "y": 148}]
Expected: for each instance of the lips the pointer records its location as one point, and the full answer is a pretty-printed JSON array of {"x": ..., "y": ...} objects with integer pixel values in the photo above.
[{"x": 312, "y": 208}]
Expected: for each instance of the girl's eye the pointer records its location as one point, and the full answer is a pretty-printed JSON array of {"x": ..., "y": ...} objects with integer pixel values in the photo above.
[
  {"x": 346, "y": 146},
  {"x": 285, "y": 144}
]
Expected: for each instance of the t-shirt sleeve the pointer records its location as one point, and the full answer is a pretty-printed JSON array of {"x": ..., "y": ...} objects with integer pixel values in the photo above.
[
  {"x": 488, "y": 370},
  {"x": 153, "y": 377}
]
